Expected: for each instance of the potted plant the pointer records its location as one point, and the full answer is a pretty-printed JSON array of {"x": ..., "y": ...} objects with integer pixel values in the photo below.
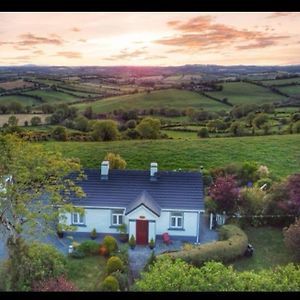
[
  {"x": 59, "y": 231},
  {"x": 93, "y": 234},
  {"x": 152, "y": 243},
  {"x": 123, "y": 233},
  {"x": 132, "y": 242}
]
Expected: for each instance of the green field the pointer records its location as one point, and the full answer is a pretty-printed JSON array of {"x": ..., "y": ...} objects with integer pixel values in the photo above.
[
  {"x": 280, "y": 81},
  {"x": 292, "y": 90},
  {"x": 21, "y": 99},
  {"x": 52, "y": 96},
  {"x": 246, "y": 93},
  {"x": 79, "y": 94},
  {"x": 170, "y": 98},
  {"x": 181, "y": 134},
  {"x": 280, "y": 153},
  {"x": 269, "y": 250}
]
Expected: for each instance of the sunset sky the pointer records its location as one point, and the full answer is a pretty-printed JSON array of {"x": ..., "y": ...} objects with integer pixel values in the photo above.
[{"x": 149, "y": 39}]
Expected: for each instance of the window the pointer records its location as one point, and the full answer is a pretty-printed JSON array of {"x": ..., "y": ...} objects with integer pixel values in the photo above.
[
  {"x": 77, "y": 219},
  {"x": 176, "y": 220},
  {"x": 117, "y": 217}
]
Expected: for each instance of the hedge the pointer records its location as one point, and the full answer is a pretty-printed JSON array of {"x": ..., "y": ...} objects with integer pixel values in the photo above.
[{"x": 233, "y": 243}]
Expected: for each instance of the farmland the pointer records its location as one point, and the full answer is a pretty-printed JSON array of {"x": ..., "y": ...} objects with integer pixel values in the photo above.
[
  {"x": 51, "y": 96},
  {"x": 170, "y": 98},
  {"x": 22, "y": 118},
  {"x": 293, "y": 90},
  {"x": 281, "y": 81},
  {"x": 242, "y": 92},
  {"x": 280, "y": 153},
  {"x": 15, "y": 84},
  {"x": 18, "y": 98}
]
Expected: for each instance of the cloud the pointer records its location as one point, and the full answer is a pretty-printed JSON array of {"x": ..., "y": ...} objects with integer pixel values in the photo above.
[
  {"x": 156, "y": 57},
  {"x": 29, "y": 39},
  {"x": 82, "y": 40},
  {"x": 125, "y": 54},
  {"x": 69, "y": 54},
  {"x": 38, "y": 52},
  {"x": 278, "y": 15},
  {"x": 75, "y": 29},
  {"x": 202, "y": 34}
]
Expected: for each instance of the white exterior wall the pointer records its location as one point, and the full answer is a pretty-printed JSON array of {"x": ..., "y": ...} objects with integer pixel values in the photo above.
[
  {"x": 101, "y": 220},
  {"x": 96, "y": 218},
  {"x": 189, "y": 224}
]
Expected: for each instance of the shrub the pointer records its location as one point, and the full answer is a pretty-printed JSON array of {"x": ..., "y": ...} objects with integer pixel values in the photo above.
[
  {"x": 35, "y": 121},
  {"x": 252, "y": 202},
  {"x": 122, "y": 280},
  {"x": 203, "y": 132},
  {"x": 150, "y": 262},
  {"x": 60, "y": 284},
  {"x": 89, "y": 247},
  {"x": 233, "y": 243},
  {"x": 149, "y": 128},
  {"x": 114, "y": 263},
  {"x": 178, "y": 276},
  {"x": 115, "y": 161},
  {"x": 105, "y": 131},
  {"x": 93, "y": 233},
  {"x": 59, "y": 133},
  {"x": 132, "y": 242},
  {"x": 77, "y": 254},
  {"x": 103, "y": 250},
  {"x": 292, "y": 238},
  {"x": 29, "y": 263},
  {"x": 268, "y": 181},
  {"x": 123, "y": 254},
  {"x": 152, "y": 243},
  {"x": 111, "y": 243},
  {"x": 110, "y": 284}
]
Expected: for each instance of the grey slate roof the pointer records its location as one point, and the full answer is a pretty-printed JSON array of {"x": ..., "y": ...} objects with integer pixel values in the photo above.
[
  {"x": 144, "y": 198},
  {"x": 124, "y": 188}
]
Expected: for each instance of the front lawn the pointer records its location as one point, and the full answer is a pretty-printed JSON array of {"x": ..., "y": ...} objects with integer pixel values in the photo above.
[
  {"x": 269, "y": 250},
  {"x": 86, "y": 273}
]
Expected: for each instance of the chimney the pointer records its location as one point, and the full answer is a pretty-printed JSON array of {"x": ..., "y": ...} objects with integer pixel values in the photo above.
[
  {"x": 153, "y": 171},
  {"x": 104, "y": 170}
]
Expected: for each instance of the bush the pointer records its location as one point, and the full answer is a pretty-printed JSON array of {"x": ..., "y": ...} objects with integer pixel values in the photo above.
[
  {"x": 268, "y": 181},
  {"x": 29, "y": 263},
  {"x": 111, "y": 243},
  {"x": 110, "y": 284},
  {"x": 292, "y": 239},
  {"x": 78, "y": 254},
  {"x": 114, "y": 263},
  {"x": 59, "y": 133},
  {"x": 105, "y": 131},
  {"x": 203, "y": 132},
  {"x": 89, "y": 247},
  {"x": 122, "y": 280},
  {"x": 178, "y": 276},
  {"x": 233, "y": 243},
  {"x": 35, "y": 121},
  {"x": 103, "y": 251},
  {"x": 150, "y": 262},
  {"x": 132, "y": 242},
  {"x": 93, "y": 233}
]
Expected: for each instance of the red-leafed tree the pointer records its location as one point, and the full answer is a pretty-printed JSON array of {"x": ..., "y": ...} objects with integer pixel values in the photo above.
[
  {"x": 60, "y": 284},
  {"x": 291, "y": 202},
  {"x": 225, "y": 193}
]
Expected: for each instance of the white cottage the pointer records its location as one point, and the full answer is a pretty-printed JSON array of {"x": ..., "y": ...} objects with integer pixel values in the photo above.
[{"x": 150, "y": 203}]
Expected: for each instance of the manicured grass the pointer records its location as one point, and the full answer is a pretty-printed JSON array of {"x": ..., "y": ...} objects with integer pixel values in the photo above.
[
  {"x": 269, "y": 252},
  {"x": 280, "y": 153},
  {"x": 170, "y": 98},
  {"x": 21, "y": 99},
  {"x": 242, "y": 93},
  {"x": 53, "y": 96},
  {"x": 87, "y": 273}
]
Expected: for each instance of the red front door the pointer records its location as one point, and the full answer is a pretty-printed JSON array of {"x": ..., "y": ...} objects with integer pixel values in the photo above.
[{"x": 141, "y": 232}]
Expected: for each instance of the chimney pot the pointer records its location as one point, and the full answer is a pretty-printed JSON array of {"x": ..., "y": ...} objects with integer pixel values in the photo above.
[{"x": 153, "y": 170}]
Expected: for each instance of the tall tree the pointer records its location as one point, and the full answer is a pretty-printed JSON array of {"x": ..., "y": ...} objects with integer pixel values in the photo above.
[{"x": 39, "y": 184}]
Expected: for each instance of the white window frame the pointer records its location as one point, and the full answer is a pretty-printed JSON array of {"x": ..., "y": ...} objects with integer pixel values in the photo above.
[
  {"x": 80, "y": 219},
  {"x": 176, "y": 216},
  {"x": 118, "y": 214}
]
